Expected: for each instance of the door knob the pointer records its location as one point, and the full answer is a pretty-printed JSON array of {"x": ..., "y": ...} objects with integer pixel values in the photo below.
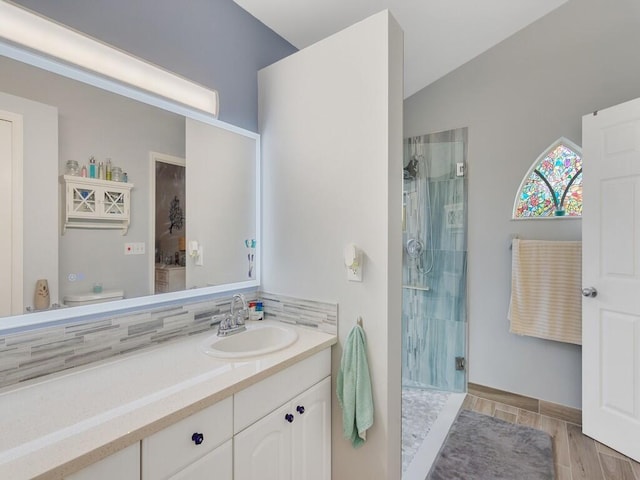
[
  {"x": 197, "y": 438},
  {"x": 589, "y": 292}
]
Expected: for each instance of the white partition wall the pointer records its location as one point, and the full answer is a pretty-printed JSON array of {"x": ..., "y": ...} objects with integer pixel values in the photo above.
[{"x": 331, "y": 126}]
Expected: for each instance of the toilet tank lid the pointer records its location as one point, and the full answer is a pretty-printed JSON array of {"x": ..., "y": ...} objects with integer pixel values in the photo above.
[{"x": 90, "y": 296}]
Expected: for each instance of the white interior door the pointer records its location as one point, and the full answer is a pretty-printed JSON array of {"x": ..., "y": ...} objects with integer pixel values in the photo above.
[
  {"x": 10, "y": 213},
  {"x": 611, "y": 265}
]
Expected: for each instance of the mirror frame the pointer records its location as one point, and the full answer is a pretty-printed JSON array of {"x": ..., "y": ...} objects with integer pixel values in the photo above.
[{"x": 28, "y": 321}]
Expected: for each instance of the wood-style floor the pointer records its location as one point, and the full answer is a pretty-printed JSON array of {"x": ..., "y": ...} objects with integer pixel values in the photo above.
[{"x": 576, "y": 456}]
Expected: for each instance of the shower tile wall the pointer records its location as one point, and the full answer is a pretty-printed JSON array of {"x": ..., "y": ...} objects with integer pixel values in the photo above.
[{"x": 434, "y": 283}]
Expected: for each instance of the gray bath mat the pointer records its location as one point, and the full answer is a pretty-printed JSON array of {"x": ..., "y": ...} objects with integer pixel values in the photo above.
[{"x": 480, "y": 447}]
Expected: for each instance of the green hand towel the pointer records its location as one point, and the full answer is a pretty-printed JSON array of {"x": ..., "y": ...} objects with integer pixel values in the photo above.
[{"x": 354, "y": 388}]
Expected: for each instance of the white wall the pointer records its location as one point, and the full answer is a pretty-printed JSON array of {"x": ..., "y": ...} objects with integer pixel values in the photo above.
[
  {"x": 517, "y": 99},
  {"x": 40, "y": 181},
  {"x": 330, "y": 118}
]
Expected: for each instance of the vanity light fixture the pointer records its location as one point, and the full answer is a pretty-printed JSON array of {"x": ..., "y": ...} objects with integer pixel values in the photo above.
[{"x": 21, "y": 27}]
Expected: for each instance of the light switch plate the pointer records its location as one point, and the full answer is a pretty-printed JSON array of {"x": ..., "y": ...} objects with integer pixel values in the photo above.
[{"x": 134, "y": 248}]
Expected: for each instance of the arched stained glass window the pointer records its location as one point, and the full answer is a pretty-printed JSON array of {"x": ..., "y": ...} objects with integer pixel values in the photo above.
[{"x": 553, "y": 185}]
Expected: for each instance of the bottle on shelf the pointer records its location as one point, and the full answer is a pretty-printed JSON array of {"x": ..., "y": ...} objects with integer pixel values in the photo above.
[
  {"x": 101, "y": 175},
  {"x": 92, "y": 167},
  {"x": 83, "y": 172},
  {"x": 107, "y": 173}
]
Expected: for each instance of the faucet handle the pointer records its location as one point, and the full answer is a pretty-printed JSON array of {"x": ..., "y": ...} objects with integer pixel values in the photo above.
[{"x": 225, "y": 324}]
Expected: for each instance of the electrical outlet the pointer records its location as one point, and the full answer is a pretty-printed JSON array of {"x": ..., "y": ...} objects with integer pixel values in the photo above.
[{"x": 134, "y": 248}]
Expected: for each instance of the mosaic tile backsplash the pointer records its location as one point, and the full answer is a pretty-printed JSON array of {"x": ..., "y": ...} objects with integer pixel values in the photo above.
[
  {"x": 34, "y": 353},
  {"x": 308, "y": 313}
]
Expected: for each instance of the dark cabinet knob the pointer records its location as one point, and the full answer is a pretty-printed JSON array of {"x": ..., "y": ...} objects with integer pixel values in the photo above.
[
  {"x": 197, "y": 438},
  {"x": 300, "y": 409},
  {"x": 288, "y": 417}
]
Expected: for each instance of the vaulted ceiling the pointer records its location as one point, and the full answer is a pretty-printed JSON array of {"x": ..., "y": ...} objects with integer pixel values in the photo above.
[{"x": 440, "y": 35}]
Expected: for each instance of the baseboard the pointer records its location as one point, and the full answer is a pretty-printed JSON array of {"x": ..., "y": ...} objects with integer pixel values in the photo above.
[{"x": 550, "y": 409}]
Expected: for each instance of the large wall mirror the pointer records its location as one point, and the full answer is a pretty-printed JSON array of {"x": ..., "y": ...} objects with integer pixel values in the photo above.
[{"x": 194, "y": 223}]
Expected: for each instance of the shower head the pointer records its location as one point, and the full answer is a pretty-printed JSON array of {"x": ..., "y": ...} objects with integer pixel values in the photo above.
[{"x": 411, "y": 170}]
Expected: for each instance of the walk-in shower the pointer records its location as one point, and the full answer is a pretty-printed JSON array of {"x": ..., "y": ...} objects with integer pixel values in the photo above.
[{"x": 434, "y": 280}]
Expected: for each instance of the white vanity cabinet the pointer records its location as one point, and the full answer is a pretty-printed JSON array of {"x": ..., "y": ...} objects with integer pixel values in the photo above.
[
  {"x": 170, "y": 279},
  {"x": 94, "y": 203},
  {"x": 200, "y": 442},
  {"x": 283, "y": 424},
  {"x": 123, "y": 465},
  {"x": 276, "y": 429},
  {"x": 291, "y": 443}
]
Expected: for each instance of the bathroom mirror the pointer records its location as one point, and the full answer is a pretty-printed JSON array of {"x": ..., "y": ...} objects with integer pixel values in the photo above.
[{"x": 66, "y": 119}]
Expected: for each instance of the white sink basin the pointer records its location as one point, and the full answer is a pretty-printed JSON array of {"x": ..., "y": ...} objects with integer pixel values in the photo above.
[{"x": 255, "y": 340}]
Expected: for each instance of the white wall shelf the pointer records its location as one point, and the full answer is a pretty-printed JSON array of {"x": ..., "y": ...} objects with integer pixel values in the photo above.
[{"x": 96, "y": 204}]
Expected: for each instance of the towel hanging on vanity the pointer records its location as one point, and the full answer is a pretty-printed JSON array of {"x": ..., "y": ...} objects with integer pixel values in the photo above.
[
  {"x": 353, "y": 387},
  {"x": 545, "y": 290}
]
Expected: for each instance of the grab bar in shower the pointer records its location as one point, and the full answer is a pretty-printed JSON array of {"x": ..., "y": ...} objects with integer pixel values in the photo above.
[{"x": 414, "y": 287}]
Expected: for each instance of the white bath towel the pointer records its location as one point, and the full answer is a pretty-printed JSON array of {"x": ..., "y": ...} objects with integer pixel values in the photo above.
[{"x": 546, "y": 277}]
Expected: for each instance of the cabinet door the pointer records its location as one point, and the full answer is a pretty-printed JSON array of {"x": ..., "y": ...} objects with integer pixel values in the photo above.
[
  {"x": 114, "y": 203},
  {"x": 263, "y": 450},
  {"x": 82, "y": 201},
  {"x": 216, "y": 465},
  {"x": 311, "y": 433},
  {"x": 123, "y": 465}
]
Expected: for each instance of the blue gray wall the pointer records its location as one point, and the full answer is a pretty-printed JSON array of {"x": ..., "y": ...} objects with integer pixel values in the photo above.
[
  {"x": 517, "y": 99},
  {"x": 213, "y": 42}
]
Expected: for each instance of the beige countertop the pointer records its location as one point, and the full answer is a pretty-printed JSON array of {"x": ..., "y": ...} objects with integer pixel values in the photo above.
[{"x": 58, "y": 424}]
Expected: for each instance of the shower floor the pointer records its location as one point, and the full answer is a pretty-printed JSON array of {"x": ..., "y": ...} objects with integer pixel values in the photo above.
[
  {"x": 424, "y": 412},
  {"x": 420, "y": 409}
]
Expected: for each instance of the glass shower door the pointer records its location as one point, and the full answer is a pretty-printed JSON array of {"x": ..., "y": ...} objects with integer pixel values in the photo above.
[{"x": 434, "y": 261}]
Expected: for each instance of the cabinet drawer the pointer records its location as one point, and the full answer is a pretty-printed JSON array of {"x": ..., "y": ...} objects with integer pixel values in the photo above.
[
  {"x": 123, "y": 465},
  {"x": 258, "y": 400},
  {"x": 217, "y": 465},
  {"x": 168, "y": 451}
]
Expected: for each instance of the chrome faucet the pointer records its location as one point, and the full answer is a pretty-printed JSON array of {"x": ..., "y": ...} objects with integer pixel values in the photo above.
[
  {"x": 244, "y": 313},
  {"x": 234, "y": 322}
]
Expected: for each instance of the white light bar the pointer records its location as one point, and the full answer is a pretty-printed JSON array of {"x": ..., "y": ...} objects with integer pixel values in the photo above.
[{"x": 40, "y": 34}]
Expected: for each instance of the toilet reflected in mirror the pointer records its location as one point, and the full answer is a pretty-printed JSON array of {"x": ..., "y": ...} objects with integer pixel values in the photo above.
[{"x": 90, "y": 298}]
